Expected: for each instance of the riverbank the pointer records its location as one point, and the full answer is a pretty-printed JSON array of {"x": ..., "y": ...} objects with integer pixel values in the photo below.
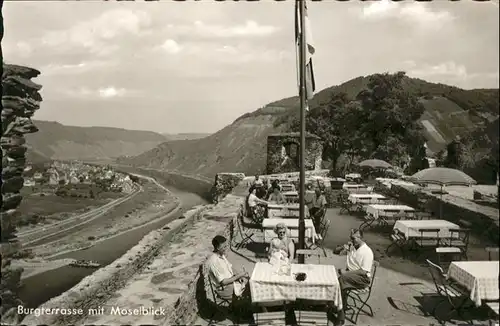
[{"x": 41, "y": 287}]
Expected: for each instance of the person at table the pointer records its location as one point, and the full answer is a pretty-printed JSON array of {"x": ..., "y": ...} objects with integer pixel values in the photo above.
[
  {"x": 258, "y": 184},
  {"x": 276, "y": 197},
  {"x": 309, "y": 196},
  {"x": 357, "y": 274},
  {"x": 282, "y": 243},
  {"x": 318, "y": 208},
  {"x": 227, "y": 282},
  {"x": 255, "y": 204}
]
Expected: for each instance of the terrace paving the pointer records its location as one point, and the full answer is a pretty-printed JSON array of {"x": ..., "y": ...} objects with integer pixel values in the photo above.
[{"x": 402, "y": 293}]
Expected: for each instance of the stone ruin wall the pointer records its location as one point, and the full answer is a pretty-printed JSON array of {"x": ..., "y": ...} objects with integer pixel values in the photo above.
[
  {"x": 275, "y": 143},
  {"x": 20, "y": 100}
]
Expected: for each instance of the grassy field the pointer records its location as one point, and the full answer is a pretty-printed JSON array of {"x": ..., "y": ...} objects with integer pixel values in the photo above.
[{"x": 45, "y": 203}]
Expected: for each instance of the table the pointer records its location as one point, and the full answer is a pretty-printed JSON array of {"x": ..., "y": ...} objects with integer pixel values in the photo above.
[
  {"x": 285, "y": 211},
  {"x": 292, "y": 224},
  {"x": 377, "y": 210},
  {"x": 366, "y": 198},
  {"x": 479, "y": 277},
  {"x": 410, "y": 227},
  {"x": 354, "y": 186},
  {"x": 321, "y": 284},
  {"x": 287, "y": 187}
]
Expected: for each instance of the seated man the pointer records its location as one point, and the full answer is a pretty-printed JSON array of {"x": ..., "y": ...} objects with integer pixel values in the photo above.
[
  {"x": 276, "y": 197},
  {"x": 359, "y": 265},
  {"x": 227, "y": 283}
]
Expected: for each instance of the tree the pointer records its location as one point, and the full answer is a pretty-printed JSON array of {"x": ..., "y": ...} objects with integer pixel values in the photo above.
[
  {"x": 331, "y": 124},
  {"x": 391, "y": 129}
]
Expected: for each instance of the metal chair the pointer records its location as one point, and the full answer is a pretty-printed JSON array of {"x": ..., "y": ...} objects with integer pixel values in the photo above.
[
  {"x": 491, "y": 251},
  {"x": 459, "y": 238},
  {"x": 246, "y": 237},
  {"x": 361, "y": 296},
  {"x": 220, "y": 304},
  {"x": 399, "y": 240},
  {"x": 321, "y": 237},
  {"x": 494, "y": 307},
  {"x": 446, "y": 290}
]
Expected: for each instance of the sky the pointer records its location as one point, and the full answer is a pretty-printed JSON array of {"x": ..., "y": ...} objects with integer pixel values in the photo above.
[{"x": 197, "y": 66}]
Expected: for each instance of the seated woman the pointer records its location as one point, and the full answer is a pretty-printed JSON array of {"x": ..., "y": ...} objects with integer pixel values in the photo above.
[
  {"x": 282, "y": 243},
  {"x": 255, "y": 204},
  {"x": 276, "y": 197}
]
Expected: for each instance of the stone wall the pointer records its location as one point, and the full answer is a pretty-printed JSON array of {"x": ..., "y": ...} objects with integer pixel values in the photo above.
[
  {"x": 20, "y": 100},
  {"x": 224, "y": 184},
  {"x": 94, "y": 290},
  {"x": 275, "y": 159}
]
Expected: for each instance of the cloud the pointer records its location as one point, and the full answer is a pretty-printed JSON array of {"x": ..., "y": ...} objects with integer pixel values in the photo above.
[
  {"x": 96, "y": 34},
  {"x": 205, "y": 30},
  {"x": 444, "y": 70},
  {"x": 71, "y": 69},
  {"x": 412, "y": 12},
  {"x": 171, "y": 46},
  {"x": 111, "y": 92},
  {"x": 95, "y": 94}
]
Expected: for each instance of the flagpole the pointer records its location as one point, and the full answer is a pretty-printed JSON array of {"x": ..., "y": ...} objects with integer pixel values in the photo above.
[{"x": 303, "y": 107}]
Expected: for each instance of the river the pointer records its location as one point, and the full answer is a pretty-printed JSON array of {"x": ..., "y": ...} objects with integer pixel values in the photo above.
[{"x": 44, "y": 286}]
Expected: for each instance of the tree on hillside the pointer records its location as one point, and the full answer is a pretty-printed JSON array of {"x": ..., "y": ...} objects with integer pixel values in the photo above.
[
  {"x": 453, "y": 154},
  {"x": 390, "y": 128},
  {"x": 333, "y": 124}
]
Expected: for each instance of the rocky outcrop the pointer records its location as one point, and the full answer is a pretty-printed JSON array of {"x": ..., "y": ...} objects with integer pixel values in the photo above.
[
  {"x": 224, "y": 184},
  {"x": 20, "y": 100}
]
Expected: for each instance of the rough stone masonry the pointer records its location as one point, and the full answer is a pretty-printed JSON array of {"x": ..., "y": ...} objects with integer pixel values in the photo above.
[{"x": 20, "y": 100}]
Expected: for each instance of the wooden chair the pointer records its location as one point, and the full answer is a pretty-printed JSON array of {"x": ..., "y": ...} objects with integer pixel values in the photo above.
[
  {"x": 311, "y": 318},
  {"x": 492, "y": 251},
  {"x": 361, "y": 297},
  {"x": 446, "y": 291},
  {"x": 346, "y": 206},
  {"x": 451, "y": 252},
  {"x": 399, "y": 240},
  {"x": 269, "y": 318}
]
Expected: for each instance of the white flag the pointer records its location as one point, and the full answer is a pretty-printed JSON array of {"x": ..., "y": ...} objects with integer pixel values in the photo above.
[{"x": 310, "y": 49}]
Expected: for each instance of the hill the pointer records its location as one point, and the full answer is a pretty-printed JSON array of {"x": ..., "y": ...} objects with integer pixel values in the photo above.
[
  {"x": 57, "y": 141},
  {"x": 241, "y": 146},
  {"x": 184, "y": 136}
]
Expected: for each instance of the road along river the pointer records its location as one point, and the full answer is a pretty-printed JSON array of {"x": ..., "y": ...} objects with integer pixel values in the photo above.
[{"x": 44, "y": 286}]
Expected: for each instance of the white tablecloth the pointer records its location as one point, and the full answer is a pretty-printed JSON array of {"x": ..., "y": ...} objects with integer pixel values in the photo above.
[
  {"x": 354, "y": 186},
  {"x": 410, "y": 227},
  {"x": 479, "y": 277},
  {"x": 293, "y": 226},
  {"x": 365, "y": 198},
  {"x": 285, "y": 211},
  {"x": 320, "y": 284},
  {"x": 387, "y": 210}
]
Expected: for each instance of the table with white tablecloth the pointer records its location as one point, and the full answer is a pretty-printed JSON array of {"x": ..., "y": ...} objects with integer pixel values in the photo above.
[
  {"x": 479, "y": 277},
  {"x": 292, "y": 224},
  {"x": 321, "y": 284},
  {"x": 365, "y": 199},
  {"x": 354, "y": 186},
  {"x": 388, "y": 211},
  {"x": 285, "y": 211},
  {"x": 410, "y": 227}
]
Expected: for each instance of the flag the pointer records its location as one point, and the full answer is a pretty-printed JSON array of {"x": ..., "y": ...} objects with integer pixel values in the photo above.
[{"x": 310, "y": 49}]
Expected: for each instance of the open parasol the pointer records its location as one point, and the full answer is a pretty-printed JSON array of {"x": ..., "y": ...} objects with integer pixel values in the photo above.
[{"x": 375, "y": 163}]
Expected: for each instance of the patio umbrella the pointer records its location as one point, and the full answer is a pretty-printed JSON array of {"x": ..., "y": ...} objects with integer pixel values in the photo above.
[
  {"x": 443, "y": 177},
  {"x": 374, "y": 163}
]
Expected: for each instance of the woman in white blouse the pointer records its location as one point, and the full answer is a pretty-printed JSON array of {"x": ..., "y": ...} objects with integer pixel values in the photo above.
[{"x": 255, "y": 205}]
